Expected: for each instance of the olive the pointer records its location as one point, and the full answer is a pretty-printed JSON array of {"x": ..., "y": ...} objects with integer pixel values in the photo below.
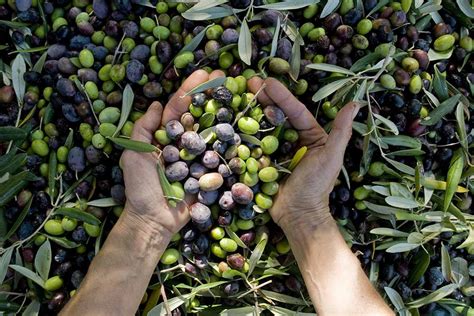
[
  {"x": 177, "y": 171},
  {"x": 208, "y": 197},
  {"x": 170, "y": 153},
  {"x": 201, "y": 216},
  {"x": 210, "y": 159},
  {"x": 190, "y": 140}
]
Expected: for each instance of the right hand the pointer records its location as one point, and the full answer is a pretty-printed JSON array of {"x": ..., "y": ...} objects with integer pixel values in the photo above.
[{"x": 303, "y": 197}]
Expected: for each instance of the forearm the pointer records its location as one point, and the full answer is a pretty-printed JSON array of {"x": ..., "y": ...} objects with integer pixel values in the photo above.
[
  {"x": 119, "y": 274},
  {"x": 332, "y": 274}
]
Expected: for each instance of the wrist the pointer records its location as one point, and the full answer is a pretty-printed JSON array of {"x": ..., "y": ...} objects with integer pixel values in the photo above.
[
  {"x": 306, "y": 218},
  {"x": 141, "y": 228}
]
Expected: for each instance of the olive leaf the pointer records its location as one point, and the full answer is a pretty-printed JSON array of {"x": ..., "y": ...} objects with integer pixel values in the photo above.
[
  {"x": 52, "y": 172},
  {"x": 13, "y": 185},
  {"x": 466, "y": 8},
  {"x": 256, "y": 254},
  {"x": 292, "y": 31},
  {"x": 388, "y": 232},
  {"x": 330, "y": 7},
  {"x": 402, "y": 247},
  {"x": 245, "y": 43},
  {"x": 434, "y": 55},
  {"x": 28, "y": 273},
  {"x": 133, "y": 145},
  {"x": 401, "y": 202},
  {"x": 14, "y": 24},
  {"x": 288, "y": 5},
  {"x": 461, "y": 126},
  {"x": 78, "y": 214},
  {"x": 168, "y": 190},
  {"x": 433, "y": 297},
  {"x": 172, "y": 304},
  {"x": 276, "y": 34},
  {"x": 284, "y": 298},
  {"x": 402, "y": 141},
  {"x": 194, "y": 43},
  {"x": 280, "y": 311},
  {"x": 419, "y": 265},
  {"x": 400, "y": 166},
  {"x": 330, "y": 68},
  {"x": 250, "y": 139},
  {"x": 12, "y": 162},
  {"x": 18, "y": 220},
  {"x": 18, "y": 70},
  {"x": 43, "y": 260},
  {"x": 32, "y": 309},
  {"x": 295, "y": 61},
  {"x": 330, "y": 88},
  {"x": 429, "y": 8},
  {"x": 63, "y": 242},
  {"x": 210, "y": 84},
  {"x": 445, "y": 263},
  {"x": 8, "y": 133},
  {"x": 127, "y": 103},
  {"x": 206, "y": 4},
  {"x": 395, "y": 298},
  {"x": 454, "y": 176},
  {"x": 438, "y": 113},
  {"x": 297, "y": 158},
  {"x": 38, "y": 67},
  {"x": 208, "y": 14},
  {"x": 206, "y": 120},
  {"x": 4, "y": 262},
  {"x": 440, "y": 86},
  {"x": 103, "y": 202},
  {"x": 235, "y": 238}
]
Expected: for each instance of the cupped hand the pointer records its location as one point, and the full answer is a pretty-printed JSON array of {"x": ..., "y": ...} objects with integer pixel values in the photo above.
[
  {"x": 146, "y": 202},
  {"x": 303, "y": 197}
]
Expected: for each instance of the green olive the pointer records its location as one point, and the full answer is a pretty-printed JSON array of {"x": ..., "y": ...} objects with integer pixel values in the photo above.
[
  {"x": 98, "y": 141},
  {"x": 243, "y": 152},
  {"x": 183, "y": 59},
  {"x": 444, "y": 42},
  {"x": 68, "y": 224},
  {"x": 245, "y": 224},
  {"x": 86, "y": 58},
  {"x": 264, "y": 201},
  {"x": 61, "y": 154},
  {"x": 376, "y": 169},
  {"x": 107, "y": 129},
  {"x": 361, "y": 193},
  {"x": 364, "y": 26},
  {"x": 269, "y": 144},
  {"x": 290, "y": 135},
  {"x": 217, "y": 251},
  {"x": 388, "y": 82},
  {"x": 40, "y": 147},
  {"x": 268, "y": 174},
  {"x": 217, "y": 233},
  {"x": 161, "y": 137},
  {"x": 249, "y": 179},
  {"x": 252, "y": 165},
  {"x": 147, "y": 24},
  {"x": 91, "y": 230},
  {"x": 270, "y": 188},
  {"x": 283, "y": 246},
  {"x": 228, "y": 244},
  {"x": 161, "y": 32},
  {"x": 248, "y": 125},
  {"x": 415, "y": 85},
  {"x": 109, "y": 115},
  {"x": 54, "y": 227},
  {"x": 170, "y": 256},
  {"x": 54, "y": 283}
]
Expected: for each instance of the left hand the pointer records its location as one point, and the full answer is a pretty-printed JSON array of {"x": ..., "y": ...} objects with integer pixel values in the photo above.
[{"x": 145, "y": 199}]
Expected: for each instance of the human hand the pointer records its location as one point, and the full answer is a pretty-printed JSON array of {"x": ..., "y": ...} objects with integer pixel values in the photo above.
[
  {"x": 146, "y": 202},
  {"x": 303, "y": 198}
]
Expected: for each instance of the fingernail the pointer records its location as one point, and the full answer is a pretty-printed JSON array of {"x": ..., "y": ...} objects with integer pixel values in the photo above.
[{"x": 355, "y": 110}]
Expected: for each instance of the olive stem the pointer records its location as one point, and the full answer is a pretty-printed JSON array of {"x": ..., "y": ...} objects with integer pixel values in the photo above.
[
  {"x": 254, "y": 288},
  {"x": 240, "y": 114}
]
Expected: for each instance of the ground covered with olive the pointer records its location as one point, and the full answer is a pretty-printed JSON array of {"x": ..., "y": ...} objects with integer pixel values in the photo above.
[{"x": 76, "y": 75}]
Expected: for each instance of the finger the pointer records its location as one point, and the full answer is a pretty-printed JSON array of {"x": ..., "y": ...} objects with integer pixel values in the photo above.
[
  {"x": 297, "y": 113},
  {"x": 341, "y": 132},
  {"x": 144, "y": 128},
  {"x": 180, "y": 104},
  {"x": 216, "y": 74},
  {"x": 254, "y": 84}
]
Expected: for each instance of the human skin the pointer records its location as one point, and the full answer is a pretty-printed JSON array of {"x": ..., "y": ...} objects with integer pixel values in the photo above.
[{"x": 335, "y": 281}]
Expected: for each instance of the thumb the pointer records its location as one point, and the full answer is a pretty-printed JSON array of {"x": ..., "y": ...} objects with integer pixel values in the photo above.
[
  {"x": 145, "y": 127},
  {"x": 341, "y": 132}
]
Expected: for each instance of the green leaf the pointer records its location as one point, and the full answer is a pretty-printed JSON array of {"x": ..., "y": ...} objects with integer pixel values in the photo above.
[
  {"x": 330, "y": 88},
  {"x": 206, "y": 4},
  {"x": 291, "y": 31},
  {"x": 194, "y": 43},
  {"x": 250, "y": 139},
  {"x": 362, "y": 63},
  {"x": 103, "y": 202},
  {"x": 395, "y": 298},
  {"x": 206, "y": 120},
  {"x": 393, "y": 128},
  {"x": 256, "y": 254},
  {"x": 401, "y": 166},
  {"x": 445, "y": 263},
  {"x": 402, "y": 247},
  {"x": 207, "y": 134},
  {"x": 329, "y": 8},
  {"x": 407, "y": 152},
  {"x": 434, "y": 55},
  {"x": 38, "y": 67},
  {"x": 388, "y": 232},
  {"x": 14, "y": 24},
  {"x": 300, "y": 153},
  {"x": 402, "y": 141},
  {"x": 175, "y": 302},
  {"x": 440, "y": 86},
  {"x": 43, "y": 260},
  {"x": 48, "y": 114},
  {"x": 4, "y": 262},
  {"x": 453, "y": 178},
  {"x": 70, "y": 139},
  {"x": 469, "y": 240},
  {"x": 401, "y": 202},
  {"x": 280, "y": 311},
  {"x": 8, "y": 133},
  {"x": 133, "y": 145},
  {"x": 18, "y": 70},
  {"x": 330, "y": 68},
  {"x": 13, "y": 185},
  {"x": 440, "y": 112},
  {"x": 433, "y": 297},
  {"x": 420, "y": 264},
  {"x": 245, "y": 43},
  {"x": 28, "y": 273},
  {"x": 276, "y": 34},
  {"x": 295, "y": 61},
  {"x": 284, "y": 298},
  {"x": 240, "y": 311},
  {"x": 288, "y": 5},
  {"x": 235, "y": 238},
  {"x": 127, "y": 103},
  {"x": 63, "y": 242},
  {"x": 12, "y": 162},
  {"x": 460, "y": 271},
  {"x": 32, "y": 309},
  {"x": 461, "y": 126},
  {"x": 168, "y": 190},
  {"x": 211, "y": 84},
  {"x": 466, "y": 8},
  {"x": 52, "y": 173},
  {"x": 78, "y": 214},
  {"x": 208, "y": 14}
]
